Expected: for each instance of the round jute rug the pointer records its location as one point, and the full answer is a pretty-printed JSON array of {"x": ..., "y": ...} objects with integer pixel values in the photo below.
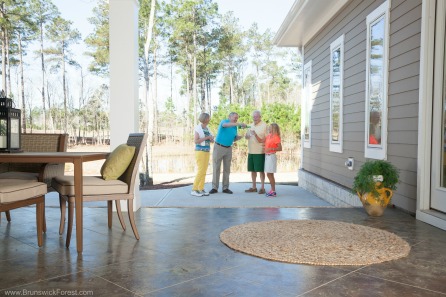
[{"x": 315, "y": 242}]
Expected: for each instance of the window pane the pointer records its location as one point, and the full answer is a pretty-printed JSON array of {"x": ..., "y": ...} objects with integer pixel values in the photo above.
[
  {"x": 307, "y": 104},
  {"x": 335, "y": 93},
  {"x": 15, "y": 135},
  {"x": 376, "y": 81},
  {"x": 3, "y": 127}
]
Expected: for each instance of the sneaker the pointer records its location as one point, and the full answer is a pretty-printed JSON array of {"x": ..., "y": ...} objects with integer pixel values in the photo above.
[
  {"x": 227, "y": 191},
  {"x": 204, "y": 193},
  {"x": 271, "y": 194},
  {"x": 213, "y": 191},
  {"x": 196, "y": 193}
]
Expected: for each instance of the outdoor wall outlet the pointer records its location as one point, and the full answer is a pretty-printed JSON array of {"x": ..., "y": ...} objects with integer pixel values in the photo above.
[{"x": 350, "y": 163}]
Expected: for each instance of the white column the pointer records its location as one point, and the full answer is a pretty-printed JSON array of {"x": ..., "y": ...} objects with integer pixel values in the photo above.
[{"x": 124, "y": 115}]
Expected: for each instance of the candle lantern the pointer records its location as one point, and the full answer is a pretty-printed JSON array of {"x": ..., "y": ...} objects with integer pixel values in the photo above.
[{"x": 10, "y": 126}]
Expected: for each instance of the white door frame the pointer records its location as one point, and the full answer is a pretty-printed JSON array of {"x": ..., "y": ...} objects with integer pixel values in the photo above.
[
  {"x": 438, "y": 191},
  {"x": 424, "y": 213}
]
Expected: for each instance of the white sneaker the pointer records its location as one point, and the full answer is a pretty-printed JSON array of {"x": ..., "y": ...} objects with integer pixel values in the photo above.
[
  {"x": 204, "y": 193},
  {"x": 196, "y": 193}
]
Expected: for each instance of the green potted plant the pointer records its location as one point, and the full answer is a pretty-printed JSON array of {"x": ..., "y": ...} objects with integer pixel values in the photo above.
[{"x": 374, "y": 183}]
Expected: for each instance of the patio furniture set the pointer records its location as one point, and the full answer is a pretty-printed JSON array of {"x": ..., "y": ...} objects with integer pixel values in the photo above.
[{"x": 27, "y": 176}]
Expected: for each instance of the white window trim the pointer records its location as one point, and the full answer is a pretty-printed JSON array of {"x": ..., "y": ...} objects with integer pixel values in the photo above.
[
  {"x": 337, "y": 146},
  {"x": 378, "y": 152},
  {"x": 307, "y": 101}
]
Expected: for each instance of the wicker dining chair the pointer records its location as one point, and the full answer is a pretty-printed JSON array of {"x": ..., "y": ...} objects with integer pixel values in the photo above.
[
  {"x": 95, "y": 188},
  {"x": 36, "y": 142}
]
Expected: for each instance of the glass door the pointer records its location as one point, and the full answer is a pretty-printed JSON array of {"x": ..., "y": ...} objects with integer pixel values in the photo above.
[{"x": 438, "y": 171}]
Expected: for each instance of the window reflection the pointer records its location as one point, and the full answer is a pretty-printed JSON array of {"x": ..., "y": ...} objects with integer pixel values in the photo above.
[
  {"x": 335, "y": 94},
  {"x": 307, "y": 103},
  {"x": 3, "y": 127},
  {"x": 376, "y": 81}
]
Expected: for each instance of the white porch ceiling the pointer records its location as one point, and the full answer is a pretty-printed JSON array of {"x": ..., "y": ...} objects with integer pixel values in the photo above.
[{"x": 305, "y": 19}]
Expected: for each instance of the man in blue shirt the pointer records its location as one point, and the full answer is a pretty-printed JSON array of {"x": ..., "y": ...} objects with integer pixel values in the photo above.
[{"x": 226, "y": 135}]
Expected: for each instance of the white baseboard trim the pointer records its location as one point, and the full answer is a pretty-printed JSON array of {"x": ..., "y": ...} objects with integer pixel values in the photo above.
[{"x": 432, "y": 217}]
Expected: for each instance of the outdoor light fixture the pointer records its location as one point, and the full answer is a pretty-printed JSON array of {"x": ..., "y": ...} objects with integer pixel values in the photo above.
[{"x": 10, "y": 129}]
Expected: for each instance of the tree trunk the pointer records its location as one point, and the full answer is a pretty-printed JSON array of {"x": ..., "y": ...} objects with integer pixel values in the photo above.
[
  {"x": 64, "y": 92},
  {"x": 231, "y": 88},
  {"x": 81, "y": 102},
  {"x": 268, "y": 93},
  {"x": 194, "y": 82},
  {"x": 3, "y": 59},
  {"x": 22, "y": 83},
  {"x": 155, "y": 93},
  {"x": 149, "y": 107},
  {"x": 189, "y": 101},
  {"x": 50, "y": 116},
  {"x": 8, "y": 68},
  {"x": 171, "y": 78},
  {"x": 3, "y": 37},
  {"x": 30, "y": 116},
  {"x": 209, "y": 94},
  {"x": 202, "y": 95},
  {"x": 258, "y": 98},
  {"x": 43, "y": 77}
]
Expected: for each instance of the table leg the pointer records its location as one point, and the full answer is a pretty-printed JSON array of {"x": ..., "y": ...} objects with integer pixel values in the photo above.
[{"x": 78, "y": 192}]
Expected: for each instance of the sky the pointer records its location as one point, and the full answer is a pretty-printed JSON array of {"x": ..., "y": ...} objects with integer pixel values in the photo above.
[{"x": 266, "y": 13}]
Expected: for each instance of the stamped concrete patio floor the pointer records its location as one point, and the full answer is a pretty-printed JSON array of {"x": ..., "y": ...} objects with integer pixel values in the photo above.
[{"x": 180, "y": 254}]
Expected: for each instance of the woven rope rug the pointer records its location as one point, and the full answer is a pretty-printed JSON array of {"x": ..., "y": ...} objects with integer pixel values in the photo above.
[{"x": 315, "y": 242}]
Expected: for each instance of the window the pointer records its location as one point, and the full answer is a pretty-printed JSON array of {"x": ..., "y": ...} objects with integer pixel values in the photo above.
[
  {"x": 336, "y": 98},
  {"x": 376, "y": 83},
  {"x": 307, "y": 106}
]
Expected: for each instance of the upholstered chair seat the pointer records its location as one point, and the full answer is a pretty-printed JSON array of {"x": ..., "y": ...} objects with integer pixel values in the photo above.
[
  {"x": 93, "y": 185},
  {"x": 16, "y": 193}
]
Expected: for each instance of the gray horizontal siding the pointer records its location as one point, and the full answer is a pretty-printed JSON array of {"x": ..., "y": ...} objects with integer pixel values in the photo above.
[
  {"x": 401, "y": 60},
  {"x": 404, "y": 58},
  {"x": 406, "y": 71},
  {"x": 408, "y": 111},
  {"x": 404, "y": 123},
  {"x": 405, "y": 46},
  {"x": 403, "y": 98}
]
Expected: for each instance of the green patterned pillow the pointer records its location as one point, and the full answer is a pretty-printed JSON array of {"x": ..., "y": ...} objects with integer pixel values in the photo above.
[{"x": 117, "y": 162}]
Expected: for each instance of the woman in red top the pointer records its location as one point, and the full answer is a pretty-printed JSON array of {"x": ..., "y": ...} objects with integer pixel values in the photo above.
[{"x": 272, "y": 145}]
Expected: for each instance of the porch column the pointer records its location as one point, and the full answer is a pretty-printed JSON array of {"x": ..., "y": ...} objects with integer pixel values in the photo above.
[{"x": 124, "y": 115}]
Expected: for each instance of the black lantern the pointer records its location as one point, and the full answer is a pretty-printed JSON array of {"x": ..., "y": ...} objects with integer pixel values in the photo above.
[{"x": 10, "y": 126}]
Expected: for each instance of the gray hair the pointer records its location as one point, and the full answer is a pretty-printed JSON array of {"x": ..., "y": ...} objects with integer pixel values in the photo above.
[
  {"x": 232, "y": 114},
  {"x": 256, "y": 112}
]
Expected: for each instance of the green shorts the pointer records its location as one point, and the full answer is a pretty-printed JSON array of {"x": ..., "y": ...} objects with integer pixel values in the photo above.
[{"x": 256, "y": 162}]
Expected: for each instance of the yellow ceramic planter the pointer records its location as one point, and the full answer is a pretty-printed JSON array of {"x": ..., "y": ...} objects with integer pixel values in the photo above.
[{"x": 373, "y": 205}]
